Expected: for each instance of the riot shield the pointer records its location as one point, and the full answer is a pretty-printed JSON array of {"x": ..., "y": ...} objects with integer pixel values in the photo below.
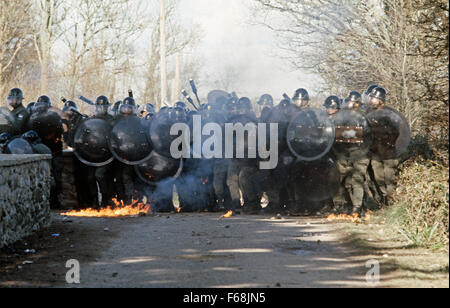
[
  {"x": 281, "y": 115},
  {"x": 208, "y": 116},
  {"x": 5, "y": 124},
  {"x": 18, "y": 146},
  {"x": 391, "y": 133},
  {"x": 159, "y": 131},
  {"x": 318, "y": 180},
  {"x": 129, "y": 142},
  {"x": 91, "y": 142},
  {"x": 48, "y": 125},
  {"x": 353, "y": 135},
  {"x": 310, "y": 135},
  {"x": 158, "y": 168}
]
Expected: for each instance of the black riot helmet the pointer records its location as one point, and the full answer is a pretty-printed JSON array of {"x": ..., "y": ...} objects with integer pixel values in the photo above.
[
  {"x": 101, "y": 106},
  {"x": 115, "y": 107},
  {"x": 69, "y": 106},
  {"x": 266, "y": 100},
  {"x": 285, "y": 103},
  {"x": 379, "y": 93},
  {"x": 31, "y": 136},
  {"x": 30, "y": 107},
  {"x": 5, "y": 137},
  {"x": 178, "y": 114},
  {"x": 128, "y": 106},
  {"x": 40, "y": 107},
  {"x": 301, "y": 97},
  {"x": 354, "y": 100},
  {"x": 371, "y": 88},
  {"x": 181, "y": 105},
  {"x": 244, "y": 105},
  {"x": 332, "y": 102},
  {"x": 147, "y": 108},
  {"x": 301, "y": 94},
  {"x": 45, "y": 99},
  {"x": 102, "y": 101},
  {"x": 15, "y": 97},
  {"x": 355, "y": 96},
  {"x": 16, "y": 93},
  {"x": 365, "y": 96}
]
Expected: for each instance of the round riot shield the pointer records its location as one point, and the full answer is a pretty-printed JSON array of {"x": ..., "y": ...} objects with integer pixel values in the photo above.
[
  {"x": 91, "y": 142},
  {"x": 160, "y": 128},
  {"x": 310, "y": 135},
  {"x": 353, "y": 135},
  {"x": 318, "y": 180},
  {"x": 18, "y": 146},
  {"x": 215, "y": 94},
  {"x": 391, "y": 133},
  {"x": 48, "y": 125},
  {"x": 129, "y": 142},
  {"x": 5, "y": 124},
  {"x": 158, "y": 168}
]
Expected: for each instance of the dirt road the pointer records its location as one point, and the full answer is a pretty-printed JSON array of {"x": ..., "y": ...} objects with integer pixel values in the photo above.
[{"x": 193, "y": 250}]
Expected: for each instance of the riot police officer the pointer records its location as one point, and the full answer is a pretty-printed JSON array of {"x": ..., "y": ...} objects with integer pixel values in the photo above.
[
  {"x": 19, "y": 115},
  {"x": 48, "y": 124},
  {"x": 123, "y": 173},
  {"x": 266, "y": 103},
  {"x": 242, "y": 173},
  {"x": 71, "y": 118},
  {"x": 352, "y": 170},
  {"x": 104, "y": 175},
  {"x": 384, "y": 170},
  {"x": 221, "y": 189}
]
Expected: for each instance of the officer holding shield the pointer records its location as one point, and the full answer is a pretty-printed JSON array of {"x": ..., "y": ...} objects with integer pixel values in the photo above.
[{"x": 383, "y": 170}]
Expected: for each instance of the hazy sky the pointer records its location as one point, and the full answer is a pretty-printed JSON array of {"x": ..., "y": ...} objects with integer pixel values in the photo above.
[{"x": 230, "y": 39}]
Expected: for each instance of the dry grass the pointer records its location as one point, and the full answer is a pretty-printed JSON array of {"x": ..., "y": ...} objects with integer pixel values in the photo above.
[{"x": 421, "y": 201}]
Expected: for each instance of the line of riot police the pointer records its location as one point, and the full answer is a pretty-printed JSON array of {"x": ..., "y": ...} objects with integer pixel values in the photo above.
[{"x": 340, "y": 156}]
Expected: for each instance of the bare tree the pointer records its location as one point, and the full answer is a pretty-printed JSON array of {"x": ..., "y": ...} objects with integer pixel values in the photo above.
[
  {"x": 46, "y": 32},
  {"x": 178, "y": 39},
  {"x": 401, "y": 44},
  {"x": 14, "y": 37}
]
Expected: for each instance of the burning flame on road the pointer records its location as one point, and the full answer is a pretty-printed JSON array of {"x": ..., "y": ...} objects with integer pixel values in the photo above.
[
  {"x": 355, "y": 218},
  {"x": 229, "y": 214},
  {"x": 120, "y": 210}
]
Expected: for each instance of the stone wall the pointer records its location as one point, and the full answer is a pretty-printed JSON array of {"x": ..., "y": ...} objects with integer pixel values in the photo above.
[{"x": 25, "y": 182}]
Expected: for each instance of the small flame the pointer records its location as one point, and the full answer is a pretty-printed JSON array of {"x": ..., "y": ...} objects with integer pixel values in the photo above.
[
  {"x": 229, "y": 214},
  {"x": 120, "y": 210},
  {"x": 179, "y": 209},
  {"x": 343, "y": 217}
]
